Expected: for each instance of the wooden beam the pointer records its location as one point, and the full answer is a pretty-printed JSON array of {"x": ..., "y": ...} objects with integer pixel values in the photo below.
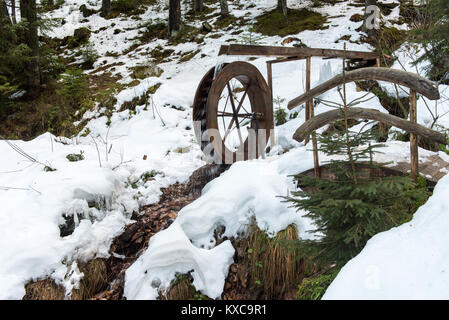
[
  {"x": 407, "y": 79},
  {"x": 309, "y": 105},
  {"x": 270, "y": 87},
  {"x": 360, "y": 113},
  {"x": 254, "y": 50},
  {"x": 288, "y": 59},
  {"x": 307, "y": 111},
  {"x": 413, "y": 138},
  {"x": 270, "y": 79}
]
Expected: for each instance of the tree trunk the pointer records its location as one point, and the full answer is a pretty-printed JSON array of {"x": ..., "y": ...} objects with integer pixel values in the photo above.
[
  {"x": 282, "y": 7},
  {"x": 4, "y": 15},
  {"x": 371, "y": 18},
  {"x": 224, "y": 9},
  {"x": 174, "y": 17},
  {"x": 28, "y": 12},
  {"x": 13, "y": 11},
  {"x": 105, "y": 8},
  {"x": 197, "y": 5}
]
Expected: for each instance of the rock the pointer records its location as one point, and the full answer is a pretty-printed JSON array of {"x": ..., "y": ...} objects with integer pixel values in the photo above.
[
  {"x": 146, "y": 71},
  {"x": 296, "y": 42},
  {"x": 82, "y": 35},
  {"x": 86, "y": 11},
  {"x": 290, "y": 40},
  {"x": 356, "y": 17},
  {"x": 203, "y": 175},
  {"x": 207, "y": 27}
]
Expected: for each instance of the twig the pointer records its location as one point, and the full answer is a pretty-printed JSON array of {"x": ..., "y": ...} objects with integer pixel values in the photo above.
[
  {"x": 98, "y": 151},
  {"x": 24, "y": 154}
]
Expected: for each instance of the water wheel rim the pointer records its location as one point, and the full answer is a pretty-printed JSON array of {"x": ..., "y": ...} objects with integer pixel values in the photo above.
[{"x": 256, "y": 91}]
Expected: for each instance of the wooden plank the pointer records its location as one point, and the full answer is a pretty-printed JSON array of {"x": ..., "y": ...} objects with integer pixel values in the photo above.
[
  {"x": 407, "y": 79},
  {"x": 254, "y": 50},
  {"x": 288, "y": 59},
  {"x": 361, "y": 113},
  {"x": 413, "y": 138}
]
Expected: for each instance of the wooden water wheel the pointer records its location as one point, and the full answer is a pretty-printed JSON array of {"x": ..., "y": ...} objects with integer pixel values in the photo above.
[{"x": 232, "y": 113}]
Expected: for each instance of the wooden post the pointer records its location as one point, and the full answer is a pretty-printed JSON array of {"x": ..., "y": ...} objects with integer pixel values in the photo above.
[
  {"x": 316, "y": 162},
  {"x": 270, "y": 86},
  {"x": 310, "y": 114},
  {"x": 307, "y": 111},
  {"x": 270, "y": 79},
  {"x": 413, "y": 138}
]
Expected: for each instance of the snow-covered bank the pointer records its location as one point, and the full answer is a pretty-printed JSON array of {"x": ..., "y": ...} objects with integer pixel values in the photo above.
[
  {"x": 248, "y": 190},
  {"x": 407, "y": 262},
  {"x": 101, "y": 199}
]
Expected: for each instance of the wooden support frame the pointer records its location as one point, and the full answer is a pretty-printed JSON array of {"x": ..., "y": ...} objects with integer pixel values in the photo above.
[
  {"x": 416, "y": 84},
  {"x": 309, "y": 112},
  {"x": 294, "y": 54}
]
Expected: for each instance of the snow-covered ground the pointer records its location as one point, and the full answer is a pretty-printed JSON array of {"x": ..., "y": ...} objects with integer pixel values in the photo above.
[{"x": 107, "y": 186}]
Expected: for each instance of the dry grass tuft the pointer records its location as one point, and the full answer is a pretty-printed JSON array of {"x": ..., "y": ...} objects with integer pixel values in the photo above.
[
  {"x": 181, "y": 289},
  {"x": 274, "y": 263},
  {"x": 45, "y": 289},
  {"x": 95, "y": 280}
]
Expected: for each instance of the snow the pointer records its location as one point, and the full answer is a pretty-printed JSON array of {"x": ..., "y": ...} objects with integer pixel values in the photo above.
[
  {"x": 30, "y": 243},
  {"x": 248, "y": 189},
  {"x": 105, "y": 188},
  {"x": 407, "y": 262}
]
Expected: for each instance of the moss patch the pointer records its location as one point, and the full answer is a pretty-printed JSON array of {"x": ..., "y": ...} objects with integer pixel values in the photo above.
[
  {"x": 154, "y": 31},
  {"x": 313, "y": 288},
  {"x": 274, "y": 23},
  {"x": 159, "y": 54},
  {"x": 189, "y": 55}
]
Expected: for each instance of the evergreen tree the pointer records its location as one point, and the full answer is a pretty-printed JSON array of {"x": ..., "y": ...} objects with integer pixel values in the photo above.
[
  {"x": 434, "y": 35},
  {"x": 353, "y": 206}
]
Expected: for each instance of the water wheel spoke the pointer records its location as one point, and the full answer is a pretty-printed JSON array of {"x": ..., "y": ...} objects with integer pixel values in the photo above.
[
  {"x": 239, "y": 115},
  {"x": 235, "y": 111}
]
